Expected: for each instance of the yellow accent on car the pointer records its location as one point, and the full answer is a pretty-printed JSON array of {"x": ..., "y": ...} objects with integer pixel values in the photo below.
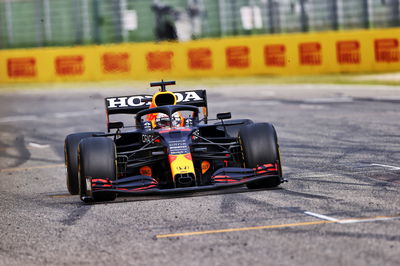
[
  {"x": 181, "y": 164},
  {"x": 163, "y": 98}
]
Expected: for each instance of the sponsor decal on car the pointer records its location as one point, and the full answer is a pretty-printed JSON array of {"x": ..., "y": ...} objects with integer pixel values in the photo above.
[{"x": 145, "y": 100}]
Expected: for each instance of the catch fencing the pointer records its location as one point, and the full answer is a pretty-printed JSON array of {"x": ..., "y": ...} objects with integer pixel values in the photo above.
[{"x": 41, "y": 23}]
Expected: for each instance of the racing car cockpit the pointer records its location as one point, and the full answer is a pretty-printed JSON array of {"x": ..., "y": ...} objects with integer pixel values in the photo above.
[{"x": 167, "y": 117}]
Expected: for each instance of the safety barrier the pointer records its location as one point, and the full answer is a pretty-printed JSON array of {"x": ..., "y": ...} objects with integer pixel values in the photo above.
[{"x": 289, "y": 54}]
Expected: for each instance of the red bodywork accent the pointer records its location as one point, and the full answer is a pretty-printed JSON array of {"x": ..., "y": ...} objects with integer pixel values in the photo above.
[
  {"x": 263, "y": 170},
  {"x": 226, "y": 161},
  {"x": 172, "y": 158},
  {"x": 137, "y": 189},
  {"x": 221, "y": 176},
  {"x": 173, "y": 129},
  {"x": 100, "y": 183},
  {"x": 101, "y": 180}
]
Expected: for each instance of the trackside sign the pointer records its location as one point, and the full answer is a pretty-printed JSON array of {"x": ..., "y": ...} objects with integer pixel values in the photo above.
[{"x": 284, "y": 54}]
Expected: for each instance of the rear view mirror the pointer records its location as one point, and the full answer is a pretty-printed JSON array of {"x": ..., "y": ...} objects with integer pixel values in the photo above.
[
  {"x": 222, "y": 116},
  {"x": 115, "y": 125}
]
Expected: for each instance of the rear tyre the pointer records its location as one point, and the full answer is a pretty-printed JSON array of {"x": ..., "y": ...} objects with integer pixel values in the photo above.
[
  {"x": 71, "y": 159},
  {"x": 259, "y": 143},
  {"x": 97, "y": 159}
]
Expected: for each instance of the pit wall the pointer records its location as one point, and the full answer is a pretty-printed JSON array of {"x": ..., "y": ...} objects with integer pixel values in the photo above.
[{"x": 289, "y": 54}]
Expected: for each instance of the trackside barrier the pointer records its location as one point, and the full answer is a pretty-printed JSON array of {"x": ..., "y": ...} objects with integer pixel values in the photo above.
[{"x": 290, "y": 54}]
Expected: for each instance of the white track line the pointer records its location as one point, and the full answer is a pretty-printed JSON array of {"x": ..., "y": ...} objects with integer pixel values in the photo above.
[
  {"x": 39, "y": 146},
  {"x": 321, "y": 216},
  {"x": 386, "y": 166},
  {"x": 351, "y": 221},
  {"x": 330, "y": 100}
]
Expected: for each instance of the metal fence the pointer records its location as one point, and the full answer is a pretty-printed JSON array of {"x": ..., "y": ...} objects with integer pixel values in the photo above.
[{"x": 37, "y": 23}]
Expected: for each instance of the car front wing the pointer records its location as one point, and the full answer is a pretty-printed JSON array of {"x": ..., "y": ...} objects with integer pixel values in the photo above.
[{"x": 147, "y": 185}]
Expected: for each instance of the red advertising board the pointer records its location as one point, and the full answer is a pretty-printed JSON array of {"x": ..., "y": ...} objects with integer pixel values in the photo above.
[
  {"x": 387, "y": 50},
  {"x": 69, "y": 65},
  {"x": 237, "y": 56},
  {"x": 24, "y": 67},
  {"x": 116, "y": 62},
  {"x": 200, "y": 58},
  {"x": 310, "y": 53},
  {"x": 159, "y": 60},
  {"x": 348, "y": 52},
  {"x": 274, "y": 55}
]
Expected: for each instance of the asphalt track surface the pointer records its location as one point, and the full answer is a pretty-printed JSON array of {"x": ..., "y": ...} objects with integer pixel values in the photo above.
[{"x": 340, "y": 148}]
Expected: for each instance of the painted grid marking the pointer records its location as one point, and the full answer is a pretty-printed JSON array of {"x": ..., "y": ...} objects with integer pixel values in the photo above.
[{"x": 228, "y": 230}]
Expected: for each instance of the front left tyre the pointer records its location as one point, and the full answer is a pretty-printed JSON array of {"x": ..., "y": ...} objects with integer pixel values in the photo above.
[
  {"x": 97, "y": 159},
  {"x": 259, "y": 144}
]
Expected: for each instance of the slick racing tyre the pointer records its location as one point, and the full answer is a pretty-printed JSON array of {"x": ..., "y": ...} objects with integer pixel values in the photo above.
[
  {"x": 259, "y": 143},
  {"x": 97, "y": 159},
  {"x": 233, "y": 126},
  {"x": 71, "y": 159}
]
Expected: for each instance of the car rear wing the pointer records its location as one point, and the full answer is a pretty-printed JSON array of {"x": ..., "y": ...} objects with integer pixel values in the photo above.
[{"x": 135, "y": 103}]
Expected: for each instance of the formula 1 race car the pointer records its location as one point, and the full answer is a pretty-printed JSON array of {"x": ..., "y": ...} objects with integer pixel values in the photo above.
[{"x": 172, "y": 149}]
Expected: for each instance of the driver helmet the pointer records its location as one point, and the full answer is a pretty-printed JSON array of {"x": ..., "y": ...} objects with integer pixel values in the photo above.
[
  {"x": 176, "y": 120},
  {"x": 162, "y": 121}
]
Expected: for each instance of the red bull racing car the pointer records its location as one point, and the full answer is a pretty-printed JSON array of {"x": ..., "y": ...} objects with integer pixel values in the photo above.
[{"x": 173, "y": 148}]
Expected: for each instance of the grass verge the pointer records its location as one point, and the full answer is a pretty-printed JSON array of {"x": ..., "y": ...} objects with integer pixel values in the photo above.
[{"x": 364, "y": 79}]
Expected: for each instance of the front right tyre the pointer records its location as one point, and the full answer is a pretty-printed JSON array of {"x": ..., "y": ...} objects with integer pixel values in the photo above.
[
  {"x": 97, "y": 159},
  {"x": 71, "y": 159}
]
